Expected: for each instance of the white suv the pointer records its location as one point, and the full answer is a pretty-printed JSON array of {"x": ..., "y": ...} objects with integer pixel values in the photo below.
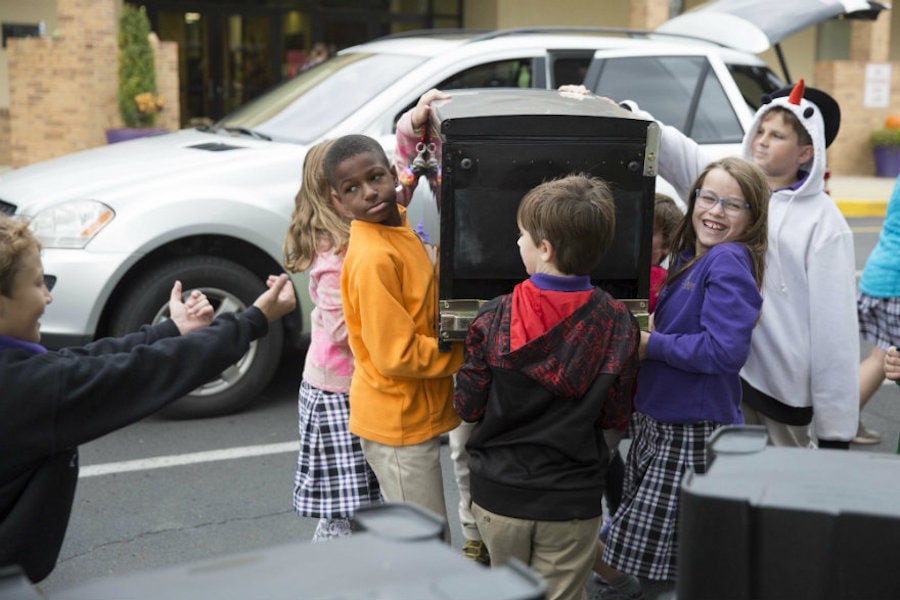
[{"x": 210, "y": 206}]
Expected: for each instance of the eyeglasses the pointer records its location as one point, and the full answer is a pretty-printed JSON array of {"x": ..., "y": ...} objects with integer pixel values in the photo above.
[{"x": 731, "y": 206}]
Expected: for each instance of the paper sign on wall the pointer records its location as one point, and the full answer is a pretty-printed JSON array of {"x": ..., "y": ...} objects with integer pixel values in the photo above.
[{"x": 877, "y": 92}]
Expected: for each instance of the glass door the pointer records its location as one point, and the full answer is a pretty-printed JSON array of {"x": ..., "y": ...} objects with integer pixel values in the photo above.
[{"x": 225, "y": 59}]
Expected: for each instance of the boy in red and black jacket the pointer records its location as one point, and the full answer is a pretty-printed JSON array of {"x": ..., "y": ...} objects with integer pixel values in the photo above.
[{"x": 547, "y": 368}]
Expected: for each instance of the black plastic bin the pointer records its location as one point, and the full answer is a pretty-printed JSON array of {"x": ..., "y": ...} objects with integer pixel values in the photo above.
[{"x": 789, "y": 523}]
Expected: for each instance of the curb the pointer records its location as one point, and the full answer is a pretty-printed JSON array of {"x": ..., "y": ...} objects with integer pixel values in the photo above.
[{"x": 862, "y": 208}]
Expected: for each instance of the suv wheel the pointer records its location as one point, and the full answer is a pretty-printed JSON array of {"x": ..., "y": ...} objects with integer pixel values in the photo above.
[{"x": 229, "y": 287}]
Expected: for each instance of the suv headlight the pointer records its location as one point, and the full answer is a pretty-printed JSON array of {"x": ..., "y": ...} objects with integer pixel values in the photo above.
[{"x": 72, "y": 224}]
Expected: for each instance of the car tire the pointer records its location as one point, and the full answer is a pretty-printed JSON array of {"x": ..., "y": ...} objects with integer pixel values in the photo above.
[{"x": 229, "y": 287}]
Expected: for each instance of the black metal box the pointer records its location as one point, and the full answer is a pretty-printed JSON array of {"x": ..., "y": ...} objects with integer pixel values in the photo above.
[{"x": 495, "y": 145}]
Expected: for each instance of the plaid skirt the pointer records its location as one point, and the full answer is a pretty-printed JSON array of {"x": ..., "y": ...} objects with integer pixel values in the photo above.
[
  {"x": 642, "y": 535},
  {"x": 333, "y": 478},
  {"x": 879, "y": 320}
]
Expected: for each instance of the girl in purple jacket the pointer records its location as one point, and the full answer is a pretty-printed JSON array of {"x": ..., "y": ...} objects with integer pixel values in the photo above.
[{"x": 689, "y": 383}]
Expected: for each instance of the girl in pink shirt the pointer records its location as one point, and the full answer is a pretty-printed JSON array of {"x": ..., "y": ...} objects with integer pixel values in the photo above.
[{"x": 333, "y": 478}]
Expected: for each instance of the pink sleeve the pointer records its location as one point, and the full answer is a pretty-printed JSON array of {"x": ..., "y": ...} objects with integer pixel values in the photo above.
[
  {"x": 404, "y": 153},
  {"x": 325, "y": 291}
]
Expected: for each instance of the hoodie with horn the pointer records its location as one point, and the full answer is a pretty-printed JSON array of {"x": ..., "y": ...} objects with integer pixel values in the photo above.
[{"x": 804, "y": 352}]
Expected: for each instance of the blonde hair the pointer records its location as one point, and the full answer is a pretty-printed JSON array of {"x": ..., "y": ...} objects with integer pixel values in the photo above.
[
  {"x": 314, "y": 216},
  {"x": 16, "y": 240}
]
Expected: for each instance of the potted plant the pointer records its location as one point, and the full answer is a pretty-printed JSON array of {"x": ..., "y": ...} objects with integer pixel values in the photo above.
[
  {"x": 139, "y": 102},
  {"x": 885, "y": 144}
]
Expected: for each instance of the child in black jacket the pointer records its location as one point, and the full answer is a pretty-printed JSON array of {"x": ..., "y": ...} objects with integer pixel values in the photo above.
[{"x": 53, "y": 401}]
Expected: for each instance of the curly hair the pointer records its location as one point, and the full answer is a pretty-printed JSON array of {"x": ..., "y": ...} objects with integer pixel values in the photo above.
[{"x": 16, "y": 239}]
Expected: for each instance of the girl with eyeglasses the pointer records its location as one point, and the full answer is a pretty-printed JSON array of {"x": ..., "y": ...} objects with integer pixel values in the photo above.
[{"x": 689, "y": 382}]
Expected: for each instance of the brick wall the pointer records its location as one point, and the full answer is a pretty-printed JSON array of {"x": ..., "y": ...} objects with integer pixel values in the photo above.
[
  {"x": 648, "y": 14},
  {"x": 63, "y": 89},
  {"x": 850, "y": 154},
  {"x": 5, "y": 154},
  {"x": 165, "y": 54}
]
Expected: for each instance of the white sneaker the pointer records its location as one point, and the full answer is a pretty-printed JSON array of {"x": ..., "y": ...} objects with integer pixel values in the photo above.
[{"x": 865, "y": 436}]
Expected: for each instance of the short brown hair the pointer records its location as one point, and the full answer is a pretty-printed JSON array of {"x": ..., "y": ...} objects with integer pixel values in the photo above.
[
  {"x": 576, "y": 214},
  {"x": 666, "y": 217},
  {"x": 803, "y": 137},
  {"x": 347, "y": 147},
  {"x": 15, "y": 241}
]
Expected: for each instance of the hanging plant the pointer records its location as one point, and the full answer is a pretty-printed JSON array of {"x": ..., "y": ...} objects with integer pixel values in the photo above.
[{"x": 139, "y": 102}]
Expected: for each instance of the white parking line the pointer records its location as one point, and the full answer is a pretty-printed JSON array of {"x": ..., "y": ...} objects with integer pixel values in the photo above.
[{"x": 160, "y": 462}]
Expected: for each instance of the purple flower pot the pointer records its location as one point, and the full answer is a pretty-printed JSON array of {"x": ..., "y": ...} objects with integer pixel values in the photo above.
[
  {"x": 887, "y": 161},
  {"x": 123, "y": 135}
]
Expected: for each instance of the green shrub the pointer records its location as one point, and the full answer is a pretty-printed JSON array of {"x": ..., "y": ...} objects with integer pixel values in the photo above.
[
  {"x": 885, "y": 137},
  {"x": 137, "y": 69}
]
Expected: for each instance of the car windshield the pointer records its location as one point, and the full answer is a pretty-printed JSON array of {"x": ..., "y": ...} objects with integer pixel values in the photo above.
[{"x": 312, "y": 103}]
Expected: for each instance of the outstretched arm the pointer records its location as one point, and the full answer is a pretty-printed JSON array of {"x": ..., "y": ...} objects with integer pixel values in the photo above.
[
  {"x": 191, "y": 314},
  {"x": 278, "y": 300}
]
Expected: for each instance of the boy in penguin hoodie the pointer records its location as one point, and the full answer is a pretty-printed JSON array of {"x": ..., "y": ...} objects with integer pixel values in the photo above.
[{"x": 804, "y": 357}]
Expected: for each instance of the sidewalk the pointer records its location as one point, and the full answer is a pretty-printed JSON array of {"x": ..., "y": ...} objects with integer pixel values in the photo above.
[
  {"x": 855, "y": 195},
  {"x": 859, "y": 196}
]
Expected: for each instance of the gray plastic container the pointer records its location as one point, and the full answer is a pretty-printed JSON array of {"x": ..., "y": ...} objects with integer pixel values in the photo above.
[{"x": 397, "y": 555}]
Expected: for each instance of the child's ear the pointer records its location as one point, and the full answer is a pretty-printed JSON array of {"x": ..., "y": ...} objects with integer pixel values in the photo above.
[
  {"x": 546, "y": 251},
  {"x": 806, "y": 153}
]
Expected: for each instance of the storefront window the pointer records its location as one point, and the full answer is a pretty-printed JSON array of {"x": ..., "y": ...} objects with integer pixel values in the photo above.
[{"x": 229, "y": 55}]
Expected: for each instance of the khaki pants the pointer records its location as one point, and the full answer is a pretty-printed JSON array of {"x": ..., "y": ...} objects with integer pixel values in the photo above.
[
  {"x": 780, "y": 434},
  {"x": 562, "y": 552},
  {"x": 460, "y": 459},
  {"x": 410, "y": 474}
]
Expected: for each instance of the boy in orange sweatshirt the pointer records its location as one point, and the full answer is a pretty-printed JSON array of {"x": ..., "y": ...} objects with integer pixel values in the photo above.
[{"x": 401, "y": 394}]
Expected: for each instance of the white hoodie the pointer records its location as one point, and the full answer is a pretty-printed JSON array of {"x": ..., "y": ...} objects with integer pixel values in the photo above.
[{"x": 805, "y": 350}]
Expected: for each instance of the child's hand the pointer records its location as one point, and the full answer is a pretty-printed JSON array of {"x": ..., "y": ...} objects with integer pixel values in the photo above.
[
  {"x": 642, "y": 349},
  {"x": 422, "y": 110},
  {"x": 892, "y": 364},
  {"x": 278, "y": 300},
  {"x": 431, "y": 251},
  {"x": 574, "y": 89},
  {"x": 194, "y": 313}
]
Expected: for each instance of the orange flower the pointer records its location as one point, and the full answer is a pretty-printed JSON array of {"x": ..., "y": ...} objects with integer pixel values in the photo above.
[{"x": 149, "y": 103}]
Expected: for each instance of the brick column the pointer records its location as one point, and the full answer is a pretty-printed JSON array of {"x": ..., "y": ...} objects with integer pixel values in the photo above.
[
  {"x": 648, "y": 14},
  {"x": 63, "y": 90},
  {"x": 846, "y": 80},
  {"x": 871, "y": 40},
  {"x": 165, "y": 55}
]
